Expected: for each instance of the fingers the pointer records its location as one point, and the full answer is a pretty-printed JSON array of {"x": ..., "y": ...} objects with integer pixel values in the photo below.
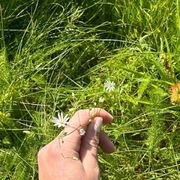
[
  {"x": 105, "y": 143},
  {"x": 88, "y": 151},
  {"x": 90, "y": 142},
  {"x": 70, "y": 145},
  {"x": 83, "y": 117},
  {"x": 80, "y": 121}
]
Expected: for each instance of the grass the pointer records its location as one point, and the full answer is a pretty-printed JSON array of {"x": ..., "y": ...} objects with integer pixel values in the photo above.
[{"x": 57, "y": 56}]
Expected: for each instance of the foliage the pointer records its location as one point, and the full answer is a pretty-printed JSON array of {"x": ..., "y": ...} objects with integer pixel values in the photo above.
[{"x": 57, "y": 55}]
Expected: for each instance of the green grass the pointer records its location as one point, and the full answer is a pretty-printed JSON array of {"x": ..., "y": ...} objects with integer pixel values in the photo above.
[{"x": 56, "y": 56}]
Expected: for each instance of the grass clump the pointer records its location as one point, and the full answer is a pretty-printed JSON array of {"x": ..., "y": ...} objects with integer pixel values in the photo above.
[{"x": 57, "y": 56}]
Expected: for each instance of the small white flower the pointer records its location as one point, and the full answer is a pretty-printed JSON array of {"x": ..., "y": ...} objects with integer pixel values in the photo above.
[
  {"x": 61, "y": 121},
  {"x": 82, "y": 132},
  {"x": 101, "y": 99},
  {"x": 109, "y": 86},
  {"x": 27, "y": 132}
]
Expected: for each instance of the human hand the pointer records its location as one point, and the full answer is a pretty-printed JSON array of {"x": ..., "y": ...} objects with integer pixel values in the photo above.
[{"x": 75, "y": 157}]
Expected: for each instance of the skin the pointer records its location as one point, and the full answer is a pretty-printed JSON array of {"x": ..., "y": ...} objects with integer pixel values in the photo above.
[{"x": 73, "y": 156}]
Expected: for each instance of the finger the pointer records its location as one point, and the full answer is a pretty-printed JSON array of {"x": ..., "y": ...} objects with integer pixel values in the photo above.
[
  {"x": 89, "y": 145},
  {"x": 105, "y": 143},
  {"x": 81, "y": 119}
]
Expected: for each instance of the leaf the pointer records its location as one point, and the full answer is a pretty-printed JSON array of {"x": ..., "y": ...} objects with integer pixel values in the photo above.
[{"x": 143, "y": 86}]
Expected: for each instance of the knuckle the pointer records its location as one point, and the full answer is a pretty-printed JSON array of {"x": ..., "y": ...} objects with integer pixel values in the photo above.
[
  {"x": 41, "y": 154},
  {"x": 46, "y": 152}
]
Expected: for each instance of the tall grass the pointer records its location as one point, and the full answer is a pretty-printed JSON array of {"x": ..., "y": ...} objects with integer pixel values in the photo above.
[{"x": 56, "y": 56}]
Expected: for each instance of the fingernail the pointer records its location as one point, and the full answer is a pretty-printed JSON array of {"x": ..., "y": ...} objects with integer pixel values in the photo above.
[{"x": 98, "y": 124}]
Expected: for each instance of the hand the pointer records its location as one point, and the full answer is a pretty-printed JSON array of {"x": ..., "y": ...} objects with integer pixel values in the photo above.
[{"x": 73, "y": 156}]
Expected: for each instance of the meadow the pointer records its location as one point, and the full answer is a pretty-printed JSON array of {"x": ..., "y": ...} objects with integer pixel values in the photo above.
[{"x": 57, "y": 56}]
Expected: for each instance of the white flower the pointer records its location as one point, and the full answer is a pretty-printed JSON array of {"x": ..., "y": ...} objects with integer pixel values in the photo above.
[
  {"x": 82, "y": 132},
  {"x": 109, "y": 86},
  {"x": 101, "y": 99},
  {"x": 61, "y": 121}
]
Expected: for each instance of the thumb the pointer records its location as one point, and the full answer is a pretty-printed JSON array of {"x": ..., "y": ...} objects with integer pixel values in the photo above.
[{"x": 89, "y": 145}]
